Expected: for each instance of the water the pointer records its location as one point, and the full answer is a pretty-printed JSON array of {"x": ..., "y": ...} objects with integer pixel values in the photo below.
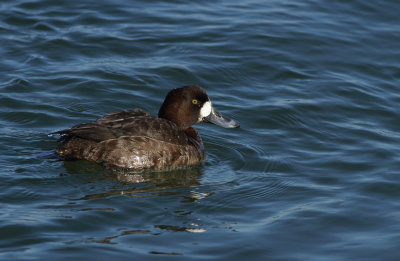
[{"x": 312, "y": 174}]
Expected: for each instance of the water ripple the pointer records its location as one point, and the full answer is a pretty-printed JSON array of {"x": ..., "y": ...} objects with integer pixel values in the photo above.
[{"x": 314, "y": 165}]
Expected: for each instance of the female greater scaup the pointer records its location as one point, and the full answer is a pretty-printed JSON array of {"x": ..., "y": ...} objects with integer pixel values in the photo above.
[{"x": 136, "y": 139}]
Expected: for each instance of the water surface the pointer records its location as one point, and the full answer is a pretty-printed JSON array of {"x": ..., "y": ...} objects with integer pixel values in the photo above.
[{"x": 312, "y": 174}]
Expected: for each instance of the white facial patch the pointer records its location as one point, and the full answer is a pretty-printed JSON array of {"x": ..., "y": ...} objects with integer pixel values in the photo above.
[{"x": 205, "y": 110}]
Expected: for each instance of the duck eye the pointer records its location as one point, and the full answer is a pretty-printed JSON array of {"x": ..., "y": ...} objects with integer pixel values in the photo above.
[{"x": 194, "y": 101}]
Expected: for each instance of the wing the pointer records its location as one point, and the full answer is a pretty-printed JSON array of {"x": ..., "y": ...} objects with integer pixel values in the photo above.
[{"x": 127, "y": 123}]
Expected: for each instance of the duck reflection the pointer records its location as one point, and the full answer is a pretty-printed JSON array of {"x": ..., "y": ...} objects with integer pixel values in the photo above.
[
  {"x": 137, "y": 184},
  {"x": 182, "y": 186}
]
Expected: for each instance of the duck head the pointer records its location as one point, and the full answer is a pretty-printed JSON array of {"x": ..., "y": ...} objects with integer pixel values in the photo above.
[{"x": 188, "y": 105}]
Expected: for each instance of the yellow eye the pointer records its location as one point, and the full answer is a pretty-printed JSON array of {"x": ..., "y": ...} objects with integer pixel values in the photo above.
[{"x": 194, "y": 101}]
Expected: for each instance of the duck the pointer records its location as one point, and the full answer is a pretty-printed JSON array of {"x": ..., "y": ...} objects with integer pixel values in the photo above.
[{"x": 135, "y": 139}]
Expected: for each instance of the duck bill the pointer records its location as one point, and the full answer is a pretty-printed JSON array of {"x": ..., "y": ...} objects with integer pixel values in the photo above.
[{"x": 216, "y": 118}]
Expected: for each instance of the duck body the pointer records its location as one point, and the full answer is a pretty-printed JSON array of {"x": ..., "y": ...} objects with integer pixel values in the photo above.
[{"x": 136, "y": 139}]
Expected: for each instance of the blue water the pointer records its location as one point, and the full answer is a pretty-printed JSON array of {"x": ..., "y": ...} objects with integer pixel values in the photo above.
[{"x": 312, "y": 174}]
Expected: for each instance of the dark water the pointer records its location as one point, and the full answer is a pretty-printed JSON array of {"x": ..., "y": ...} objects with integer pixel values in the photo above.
[{"x": 312, "y": 174}]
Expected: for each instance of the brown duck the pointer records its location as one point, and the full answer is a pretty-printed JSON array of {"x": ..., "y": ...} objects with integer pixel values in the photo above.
[{"x": 136, "y": 139}]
